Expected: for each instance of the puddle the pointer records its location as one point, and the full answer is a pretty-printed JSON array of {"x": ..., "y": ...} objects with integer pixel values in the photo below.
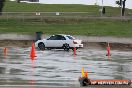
[{"x": 61, "y": 68}]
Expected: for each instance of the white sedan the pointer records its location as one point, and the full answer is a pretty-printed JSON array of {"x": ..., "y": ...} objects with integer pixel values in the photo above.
[{"x": 59, "y": 41}]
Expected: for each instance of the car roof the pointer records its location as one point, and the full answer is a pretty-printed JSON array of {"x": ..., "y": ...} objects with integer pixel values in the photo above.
[{"x": 63, "y": 34}]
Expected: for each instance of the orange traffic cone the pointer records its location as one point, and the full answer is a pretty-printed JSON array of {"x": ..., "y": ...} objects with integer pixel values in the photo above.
[
  {"x": 86, "y": 74},
  {"x": 108, "y": 51},
  {"x": 5, "y": 51},
  {"x": 32, "y": 53},
  {"x": 75, "y": 52}
]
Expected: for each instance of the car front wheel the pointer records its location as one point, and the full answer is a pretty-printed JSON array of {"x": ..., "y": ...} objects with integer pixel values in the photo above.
[
  {"x": 66, "y": 47},
  {"x": 41, "y": 46}
]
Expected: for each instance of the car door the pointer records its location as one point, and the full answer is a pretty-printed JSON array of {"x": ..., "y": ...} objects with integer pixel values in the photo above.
[
  {"x": 60, "y": 40},
  {"x": 55, "y": 41},
  {"x": 50, "y": 42}
]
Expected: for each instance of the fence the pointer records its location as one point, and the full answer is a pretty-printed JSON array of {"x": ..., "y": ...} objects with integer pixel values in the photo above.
[{"x": 41, "y": 16}]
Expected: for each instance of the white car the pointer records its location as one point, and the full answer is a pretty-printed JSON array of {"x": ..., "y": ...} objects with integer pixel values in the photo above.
[{"x": 59, "y": 41}]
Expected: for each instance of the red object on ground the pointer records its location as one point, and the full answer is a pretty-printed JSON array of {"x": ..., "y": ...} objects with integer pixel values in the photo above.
[
  {"x": 75, "y": 52},
  {"x": 32, "y": 82},
  {"x": 86, "y": 74},
  {"x": 5, "y": 51},
  {"x": 108, "y": 51},
  {"x": 32, "y": 53}
]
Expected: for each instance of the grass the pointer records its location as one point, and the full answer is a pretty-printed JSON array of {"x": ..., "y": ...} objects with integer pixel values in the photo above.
[
  {"x": 26, "y": 7},
  {"x": 88, "y": 27},
  {"x": 74, "y": 26}
]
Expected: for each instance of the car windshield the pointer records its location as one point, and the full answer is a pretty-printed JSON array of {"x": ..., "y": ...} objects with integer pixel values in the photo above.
[{"x": 70, "y": 37}]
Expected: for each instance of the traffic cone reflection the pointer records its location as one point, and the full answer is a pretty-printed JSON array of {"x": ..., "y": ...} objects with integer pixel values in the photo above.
[{"x": 32, "y": 82}]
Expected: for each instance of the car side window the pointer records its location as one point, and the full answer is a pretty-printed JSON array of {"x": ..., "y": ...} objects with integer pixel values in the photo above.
[
  {"x": 59, "y": 37},
  {"x": 63, "y": 38},
  {"x": 52, "y": 38},
  {"x": 70, "y": 37}
]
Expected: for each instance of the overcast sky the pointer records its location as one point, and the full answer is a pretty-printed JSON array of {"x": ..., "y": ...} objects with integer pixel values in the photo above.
[{"x": 87, "y": 2}]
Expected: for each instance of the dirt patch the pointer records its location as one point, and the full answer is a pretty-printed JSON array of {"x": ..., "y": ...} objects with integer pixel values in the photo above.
[
  {"x": 103, "y": 45},
  {"x": 88, "y": 45},
  {"x": 19, "y": 43}
]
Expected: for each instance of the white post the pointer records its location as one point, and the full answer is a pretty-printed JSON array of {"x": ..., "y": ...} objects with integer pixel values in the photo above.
[
  {"x": 95, "y": 2},
  {"x": 102, "y": 7}
]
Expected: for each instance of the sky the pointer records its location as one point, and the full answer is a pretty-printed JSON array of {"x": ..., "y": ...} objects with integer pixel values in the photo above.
[{"x": 87, "y": 2}]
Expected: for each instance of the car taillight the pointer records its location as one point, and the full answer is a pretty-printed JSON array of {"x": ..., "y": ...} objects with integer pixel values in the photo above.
[{"x": 74, "y": 42}]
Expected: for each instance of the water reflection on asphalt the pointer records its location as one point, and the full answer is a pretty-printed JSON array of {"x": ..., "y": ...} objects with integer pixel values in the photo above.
[{"x": 61, "y": 68}]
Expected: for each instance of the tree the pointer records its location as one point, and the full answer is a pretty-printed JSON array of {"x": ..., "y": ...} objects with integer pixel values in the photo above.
[
  {"x": 18, "y": 1},
  {"x": 122, "y": 4},
  {"x": 1, "y": 6},
  {"x": 123, "y": 8}
]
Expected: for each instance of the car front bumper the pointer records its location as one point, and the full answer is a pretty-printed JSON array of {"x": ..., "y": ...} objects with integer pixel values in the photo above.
[{"x": 78, "y": 45}]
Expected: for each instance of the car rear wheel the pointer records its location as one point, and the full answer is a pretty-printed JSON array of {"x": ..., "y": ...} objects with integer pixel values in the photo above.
[
  {"x": 41, "y": 46},
  {"x": 66, "y": 47}
]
